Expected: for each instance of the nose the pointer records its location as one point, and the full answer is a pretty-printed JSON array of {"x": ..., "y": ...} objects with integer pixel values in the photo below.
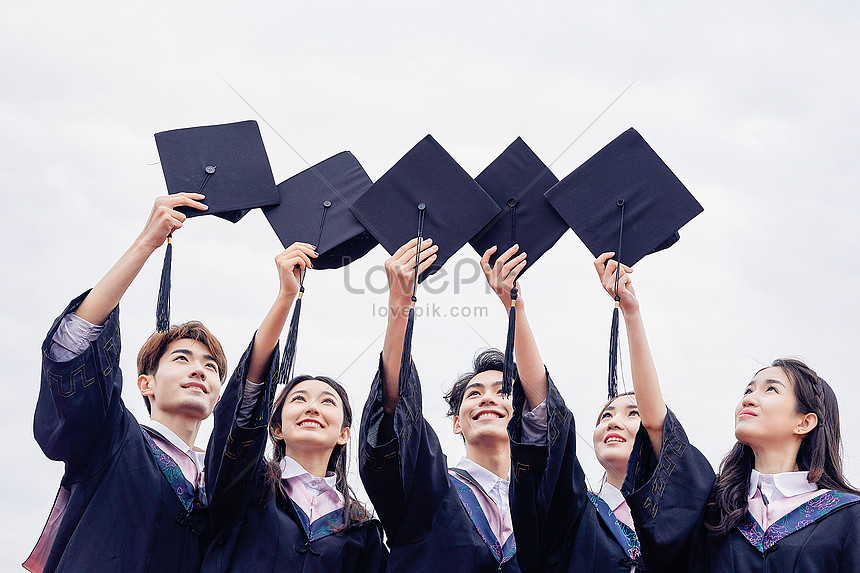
[
  {"x": 199, "y": 372},
  {"x": 487, "y": 399},
  {"x": 312, "y": 408},
  {"x": 612, "y": 423}
]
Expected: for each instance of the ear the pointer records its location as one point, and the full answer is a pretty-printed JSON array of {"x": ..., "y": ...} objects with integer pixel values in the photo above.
[
  {"x": 146, "y": 385},
  {"x": 806, "y": 424},
  {"x": 276, "y": 431},
  {"x": 343, "y": 437},
  {"x": 458, "y": 429}
]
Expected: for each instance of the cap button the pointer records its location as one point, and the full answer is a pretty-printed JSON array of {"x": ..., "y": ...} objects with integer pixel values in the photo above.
[
  {"x": 421, "y": 206},
  {"x": 326, "y": 203},
  {"x": 620, "y": 202},
  {"x": 512, "y": 202},
  {"x": 210, "y": 169}
]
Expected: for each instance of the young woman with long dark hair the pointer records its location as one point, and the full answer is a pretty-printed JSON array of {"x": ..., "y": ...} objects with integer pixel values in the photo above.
[
  {"x": 780, "y": 502},
  {"x": 295, "y": 512}
]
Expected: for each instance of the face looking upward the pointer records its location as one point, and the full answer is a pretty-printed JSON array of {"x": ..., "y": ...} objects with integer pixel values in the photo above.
[
  {"x": 312, "y": 419},
  {"x": 484, "y": 413},
  {"x": 186, "y": 382},
  {"x": 615, "y": 433},
  {"x": 767, "y": 413}
]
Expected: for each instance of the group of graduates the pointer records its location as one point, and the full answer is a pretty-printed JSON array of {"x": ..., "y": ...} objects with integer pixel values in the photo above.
[
  {"x": 135, "y": 496},
  {"x": 142, "y": 497}
]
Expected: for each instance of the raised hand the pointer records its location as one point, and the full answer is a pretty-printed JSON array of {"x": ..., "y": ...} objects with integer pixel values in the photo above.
[
  {"x": 292, "y": 263},
  {"x": 502, "y": 276},
  {"x": 164, "y": 218},
  {"x": 606, "y": 268},
  {"x": 400, "y": 269}
]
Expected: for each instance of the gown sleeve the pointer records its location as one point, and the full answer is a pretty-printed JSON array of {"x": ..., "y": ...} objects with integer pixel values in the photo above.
[
  {"x": 80, "y": 418},
  {"x": 667, "y": 496},
  {"x": 401, "y": 463},
  {"x": 235, "y": 462},
  {"x": 548, "y": 488}
]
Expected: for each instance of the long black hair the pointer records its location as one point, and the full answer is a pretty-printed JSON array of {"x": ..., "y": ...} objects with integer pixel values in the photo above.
[
  {"x": 354, "y": 511},
  {"x": 820, "y": 451}
]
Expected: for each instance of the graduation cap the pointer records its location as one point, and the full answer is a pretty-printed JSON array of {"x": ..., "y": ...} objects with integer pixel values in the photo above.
[
  {"x": 624, "y": 199},
  {"x": 228, "y": 164},
  {"x": 314, "y": 209},
  {"x": 426, "y": 193},
  {"x": 517, "y": 180}
]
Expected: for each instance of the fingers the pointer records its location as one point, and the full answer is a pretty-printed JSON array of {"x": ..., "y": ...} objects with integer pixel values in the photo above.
[
  {"x": 513, "y": 267},
  {"x": 485, "y": 259},
  {"x": 412, "y": 243},
  {"x": 188, "y": 200},
  {"x": 426, "y": 263}
]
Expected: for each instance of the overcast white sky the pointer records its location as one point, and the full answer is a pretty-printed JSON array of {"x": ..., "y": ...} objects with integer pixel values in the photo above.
[{"x": 753, "y": 105}]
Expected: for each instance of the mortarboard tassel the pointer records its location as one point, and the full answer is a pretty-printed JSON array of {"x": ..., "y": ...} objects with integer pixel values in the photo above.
[
  {"x": 289, "y": 355},
  {"x": 406, "y": 355},
  {"x": 162, "y": 307},
  {"x": 613, "y": 333},
  {"x": 508, "y": 371}
]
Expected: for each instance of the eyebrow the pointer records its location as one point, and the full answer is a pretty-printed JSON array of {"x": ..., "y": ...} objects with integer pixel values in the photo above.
[
  {"x": 305, "y": 392},
  {"x": 481, "y": 385},
  {"x": 768, "y": 381}
]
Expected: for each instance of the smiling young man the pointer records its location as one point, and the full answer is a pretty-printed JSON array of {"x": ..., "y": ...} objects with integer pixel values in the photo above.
[
  {"x": 131, "y": 497},
  {"x": 439, "y": 518}
]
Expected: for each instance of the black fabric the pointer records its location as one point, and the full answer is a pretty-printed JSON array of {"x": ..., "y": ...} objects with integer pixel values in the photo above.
[
  {"x": 557, "y": 527},
  {"x": 339, "y": 180},
  {"x": 241, "y": 179},
  {"x": 122, "y": 515},
  {"x": 406, "y": 478},
  {"x": 456, "y": 207},
  {"x": 656, "y": 203},
  {"x": 517, "y": 180},
  {"x": 668, "y": 494},
  {"x": 256, "y": 529}
]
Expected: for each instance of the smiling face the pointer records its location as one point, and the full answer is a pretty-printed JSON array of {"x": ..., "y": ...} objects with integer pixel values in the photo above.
[
  {"x": 484, "y": 413},
  {"x": 767, "y": 413},
  {"x": 312, "y": 419},
  {"x": 186, "y": 382},
  {"x": 615, "y": 433}
]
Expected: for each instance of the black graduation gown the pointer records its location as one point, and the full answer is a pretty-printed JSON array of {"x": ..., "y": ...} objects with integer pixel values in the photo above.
[
  {"x": 422, "y": 507},
  {"x": 667, "y": 497},
  {"x": 258, "y": 530},
  {"x": 122, "y": 514},
  {"x": 560, "y": 525}
]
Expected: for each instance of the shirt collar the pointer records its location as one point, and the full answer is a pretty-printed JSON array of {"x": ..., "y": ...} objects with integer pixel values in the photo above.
[
  {"x": 290, "y": 468},
  {"x": 197, "y": 457},
  {"x": 611, "y": 495},
  {"x": 485, "y": 478},
  {"x": 781, "y": 485}
]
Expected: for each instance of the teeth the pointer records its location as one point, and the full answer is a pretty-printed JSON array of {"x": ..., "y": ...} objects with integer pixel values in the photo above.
[
  {"x": 488, "y": 415},
  {"x": 310, "y": 424},
  {"x": 614, "y": 439}
]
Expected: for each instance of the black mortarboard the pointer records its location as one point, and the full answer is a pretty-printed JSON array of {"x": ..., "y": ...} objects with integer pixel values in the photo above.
[
  {"x": 456, "y": 207},
  {"x": 314, "y": 209},
  {"x": 517, "y": 180},
  {"x": 426, "y": 193},
  {"x": 228, "y": 164},
  {"x": 624, "y": 199}
]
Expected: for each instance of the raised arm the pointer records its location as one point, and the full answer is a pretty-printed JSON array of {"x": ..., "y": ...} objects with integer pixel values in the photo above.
[
  {"x": 400, "y": 269},
  {"x": 646, "y": 384},
  {"x": 163, "y": 220},
  {"x": 291, "y": 263},
  {"x": 502, "y": 277}
]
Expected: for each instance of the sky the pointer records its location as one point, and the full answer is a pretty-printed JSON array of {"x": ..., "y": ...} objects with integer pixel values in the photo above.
[{"x": 752, "y": 105}]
